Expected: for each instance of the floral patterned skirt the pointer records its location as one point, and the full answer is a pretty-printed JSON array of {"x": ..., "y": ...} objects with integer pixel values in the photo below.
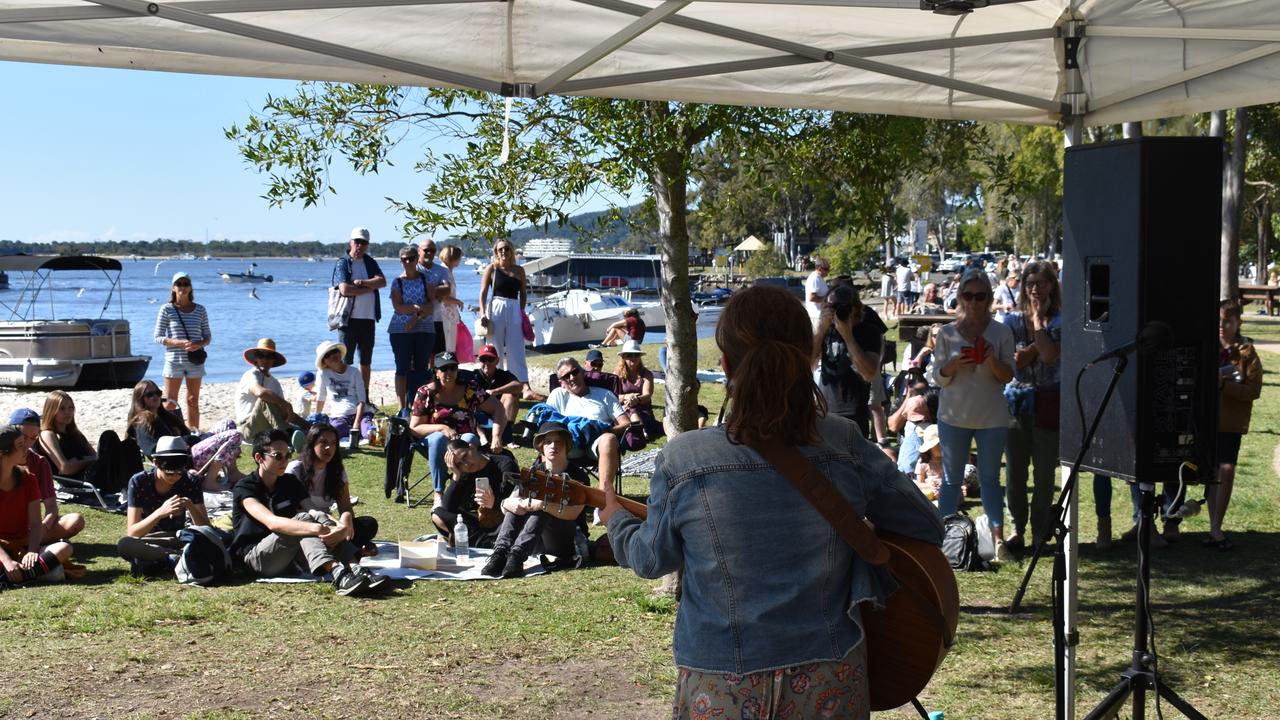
[{"x": 834, "y": 689}]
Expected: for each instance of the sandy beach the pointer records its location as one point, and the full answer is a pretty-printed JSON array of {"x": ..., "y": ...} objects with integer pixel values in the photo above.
[{"x": 99, "y": 410}]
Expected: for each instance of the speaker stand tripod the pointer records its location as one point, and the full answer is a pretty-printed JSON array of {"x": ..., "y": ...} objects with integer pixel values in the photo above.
[{"x": 1142, "y": 676}]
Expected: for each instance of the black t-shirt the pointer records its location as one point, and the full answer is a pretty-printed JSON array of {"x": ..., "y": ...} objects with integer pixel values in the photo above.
[
  {"x": 500, "y": 377},
  {"x": 285, "y": 500},
  {"x": 460, "y": 497},
  {"x": 844, "y": 389}
]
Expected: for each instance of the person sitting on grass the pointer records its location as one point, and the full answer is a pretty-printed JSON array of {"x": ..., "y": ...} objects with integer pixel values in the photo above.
[
  {"x": 56, "y": 526},
  {"x": 574, "y": 398},
  {"x": 340, "y": 388},
  {"x": 530, "y": 525},
  {"x": 928, "y": 472},
  {"x": 275, "y": 536},
  {"x": 149, "y": 420},
  {"x": 160, "y": 502},
  {"x": 479, "y": 486},
  {"x": 69, "y": 453},
  {"x": 630, "y": 326},
  {"x": 23, "y": 554},
  {"x": 321, "y": 471},
  {"x": 260, "y": 402}
]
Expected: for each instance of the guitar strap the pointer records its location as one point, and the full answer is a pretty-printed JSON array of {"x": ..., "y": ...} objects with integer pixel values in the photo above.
[
  {"x": 805, "y": 477},
  {"x": 818, "y": 490}
]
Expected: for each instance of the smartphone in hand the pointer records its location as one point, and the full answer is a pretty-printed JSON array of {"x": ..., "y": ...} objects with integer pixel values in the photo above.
[{"x": 482, "y": 484}]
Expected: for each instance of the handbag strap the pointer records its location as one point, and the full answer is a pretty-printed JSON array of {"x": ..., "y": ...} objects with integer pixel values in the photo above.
[
  {"x": 823, "y": 496},
  {"x": 182, "y": 322}
]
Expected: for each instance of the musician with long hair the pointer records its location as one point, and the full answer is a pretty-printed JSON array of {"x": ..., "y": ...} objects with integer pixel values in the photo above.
[{"x": 758, "y": 613}]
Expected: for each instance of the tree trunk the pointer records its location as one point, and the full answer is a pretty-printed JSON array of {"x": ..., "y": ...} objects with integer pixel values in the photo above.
[
  {"x": 670, "y": 188},
  {"x": 1232, "y": 192}
]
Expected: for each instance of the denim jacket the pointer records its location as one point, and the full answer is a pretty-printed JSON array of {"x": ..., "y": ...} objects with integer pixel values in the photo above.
[{"x": 767, "y": 582}]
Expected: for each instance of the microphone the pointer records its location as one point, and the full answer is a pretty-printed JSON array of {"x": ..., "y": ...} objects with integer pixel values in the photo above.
[{"x": 1155, "y": 335}]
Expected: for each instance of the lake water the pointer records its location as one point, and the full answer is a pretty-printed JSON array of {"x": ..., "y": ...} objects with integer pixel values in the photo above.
[{"x": 291, "y": 309}]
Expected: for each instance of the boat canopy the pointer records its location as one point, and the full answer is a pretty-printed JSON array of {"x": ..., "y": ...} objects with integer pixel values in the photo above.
[{"x": 31, "y": 263}]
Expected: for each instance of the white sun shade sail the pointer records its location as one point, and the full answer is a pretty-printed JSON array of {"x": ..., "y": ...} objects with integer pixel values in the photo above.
[{"x": 1137, "y": 59}]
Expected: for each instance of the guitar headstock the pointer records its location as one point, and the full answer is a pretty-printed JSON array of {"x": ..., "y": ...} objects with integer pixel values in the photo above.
[{"x": 551, "y": 488}]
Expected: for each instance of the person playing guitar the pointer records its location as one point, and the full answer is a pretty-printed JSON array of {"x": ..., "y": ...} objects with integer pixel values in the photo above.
[{"x": 773, "y": 603}]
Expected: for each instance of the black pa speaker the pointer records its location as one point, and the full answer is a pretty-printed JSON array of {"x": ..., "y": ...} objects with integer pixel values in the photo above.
[{"x": 1143, "y": 227}]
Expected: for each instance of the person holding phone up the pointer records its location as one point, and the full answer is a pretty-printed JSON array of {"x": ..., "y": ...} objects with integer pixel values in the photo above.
[{"x": 479, "y": 487}]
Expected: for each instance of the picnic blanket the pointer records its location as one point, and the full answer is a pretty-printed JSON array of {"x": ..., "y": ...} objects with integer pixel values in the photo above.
[{"x": 387, "y": 562}]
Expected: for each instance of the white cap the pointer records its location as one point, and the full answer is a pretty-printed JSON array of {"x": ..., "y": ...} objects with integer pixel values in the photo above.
[{"x": 360, "y": 233}]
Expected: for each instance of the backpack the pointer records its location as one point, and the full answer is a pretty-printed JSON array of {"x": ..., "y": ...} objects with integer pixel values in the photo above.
[
  {"x": 960, "y": 542},
  {"x": 204, "y": 559}
]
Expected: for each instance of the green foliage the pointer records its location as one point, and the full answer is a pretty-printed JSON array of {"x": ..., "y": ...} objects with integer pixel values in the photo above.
[
  {"x": 849, "y": 251},
  {"x": 765, "y": 263}
]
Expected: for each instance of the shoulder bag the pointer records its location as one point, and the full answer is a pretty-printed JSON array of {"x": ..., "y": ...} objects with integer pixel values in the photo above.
[
  {"x": 907, "y": 638},
  {"x": 197, "y": 356}
]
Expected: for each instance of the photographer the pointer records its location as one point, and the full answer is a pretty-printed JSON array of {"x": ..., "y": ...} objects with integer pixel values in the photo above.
[{"x": 849, "y": 343}]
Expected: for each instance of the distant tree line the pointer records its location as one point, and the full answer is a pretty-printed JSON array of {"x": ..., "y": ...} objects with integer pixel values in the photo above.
[{"x": 165, "y": 247}]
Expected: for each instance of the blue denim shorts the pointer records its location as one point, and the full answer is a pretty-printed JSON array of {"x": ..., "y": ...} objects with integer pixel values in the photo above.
[{"x": 182, "y": 369}]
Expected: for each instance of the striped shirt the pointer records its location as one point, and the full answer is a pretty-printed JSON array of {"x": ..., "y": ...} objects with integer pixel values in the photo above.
[{"x": 169, "y": 324}]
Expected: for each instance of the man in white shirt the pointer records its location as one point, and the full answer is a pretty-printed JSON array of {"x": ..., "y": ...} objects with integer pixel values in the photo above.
[
  {"x": 357, "y": 275},
  {"x": 816, "y": 288},
  {"x": 260, "y": 401},
  {"x": 575, "y": 398}
]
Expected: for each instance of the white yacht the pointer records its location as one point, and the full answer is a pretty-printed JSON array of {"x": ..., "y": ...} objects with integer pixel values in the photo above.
[{"x": 579, "y": 317}]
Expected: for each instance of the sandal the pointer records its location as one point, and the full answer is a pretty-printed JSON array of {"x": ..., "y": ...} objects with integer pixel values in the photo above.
[
  {"x": 1225, "y": 545},
  {"x": 1209, "y": 542}
]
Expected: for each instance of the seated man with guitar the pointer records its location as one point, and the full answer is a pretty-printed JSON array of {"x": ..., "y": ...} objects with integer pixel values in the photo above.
[
  {"x": 479, "y": 486},
  {"x": 533, "y": 523},
  {"x": 788, "y": 597}
]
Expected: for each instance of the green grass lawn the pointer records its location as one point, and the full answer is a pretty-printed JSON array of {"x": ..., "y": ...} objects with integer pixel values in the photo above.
[{"x": 593, "y": 643}]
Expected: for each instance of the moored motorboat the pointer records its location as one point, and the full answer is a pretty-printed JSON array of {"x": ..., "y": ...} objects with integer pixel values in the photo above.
[
  {"x": 40, "y": 352},
  {"x": 249, "y": 276},
  {"x": 578, "y": 317}
]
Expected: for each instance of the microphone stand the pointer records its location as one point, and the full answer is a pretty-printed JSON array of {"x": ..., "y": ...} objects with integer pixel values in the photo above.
[{"x": 1065, "y": 638}]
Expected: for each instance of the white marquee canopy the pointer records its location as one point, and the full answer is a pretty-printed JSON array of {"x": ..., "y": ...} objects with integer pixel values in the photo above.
[{"x": 1009, "y": 61}]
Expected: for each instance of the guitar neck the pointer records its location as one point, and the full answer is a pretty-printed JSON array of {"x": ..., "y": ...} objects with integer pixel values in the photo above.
[{"x": 595, "y": 498}]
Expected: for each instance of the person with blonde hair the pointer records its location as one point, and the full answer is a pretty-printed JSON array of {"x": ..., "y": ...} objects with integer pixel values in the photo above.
[
  {"x": 504, "y": 314},
  {"x": 450, "y": 305},
  {"x": 973, "y": 360},
  {"x": 756, "y": 613},
  {"x": 71, "y": 455}
]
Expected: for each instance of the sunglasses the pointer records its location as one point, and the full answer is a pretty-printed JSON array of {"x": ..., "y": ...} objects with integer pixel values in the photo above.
[
  {"x": 182, "y": 283},
  {"x": 360, "y": 242},
  {"x": 488, "y": 358},
  {"x": 502, "y": 250},
  {"x": 279, "y": 455},
  {"x": 975, "y": 297},
  {"x": 448, "y": 368},
  {"x": 409, "y": 259},
  {"x": 172, "y": 467},
  {"x": 572, "y": 373},
  {"x": 152, "y": 394}
]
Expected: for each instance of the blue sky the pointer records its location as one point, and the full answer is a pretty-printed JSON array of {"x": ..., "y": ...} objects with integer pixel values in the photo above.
[{"x": 91, "y": 153}]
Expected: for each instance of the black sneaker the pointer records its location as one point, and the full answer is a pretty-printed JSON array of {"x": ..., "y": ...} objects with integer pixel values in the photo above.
[
  {"x": 497, "y": 561},
  {"x": 372, "y": 580},
  {"x": 514, "y": 568},
  {"x": 346, "y": 582}
]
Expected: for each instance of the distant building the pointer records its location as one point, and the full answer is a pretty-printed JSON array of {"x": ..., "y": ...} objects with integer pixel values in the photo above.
[{"x": 541, "y": 247}]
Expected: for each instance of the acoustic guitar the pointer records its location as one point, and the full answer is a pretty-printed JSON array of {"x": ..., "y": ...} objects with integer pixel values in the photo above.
[{"x": 906, "y": 640}]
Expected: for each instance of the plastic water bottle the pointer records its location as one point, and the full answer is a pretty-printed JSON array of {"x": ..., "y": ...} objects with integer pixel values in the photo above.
[{"x": 461, "y": 544}]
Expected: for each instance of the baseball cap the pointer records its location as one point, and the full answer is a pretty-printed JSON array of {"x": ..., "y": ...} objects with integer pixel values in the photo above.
[
  {"x": 179, "y": 276},
  {"x": 445, "y": 359},
  {"x": 22, "y": 416},
  {"x": 594, "y": 355},
  {"x": 360, "y": 233},
  {"x": 306, "y": 377},
  {"x": 487, "y": 351}
]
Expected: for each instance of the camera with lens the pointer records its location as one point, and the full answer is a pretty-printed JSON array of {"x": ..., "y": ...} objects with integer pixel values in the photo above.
[{"x": 842, "y": 299}]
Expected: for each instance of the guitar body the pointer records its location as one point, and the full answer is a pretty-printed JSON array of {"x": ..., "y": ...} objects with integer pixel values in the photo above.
[{"x": 905, "y": 642}]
